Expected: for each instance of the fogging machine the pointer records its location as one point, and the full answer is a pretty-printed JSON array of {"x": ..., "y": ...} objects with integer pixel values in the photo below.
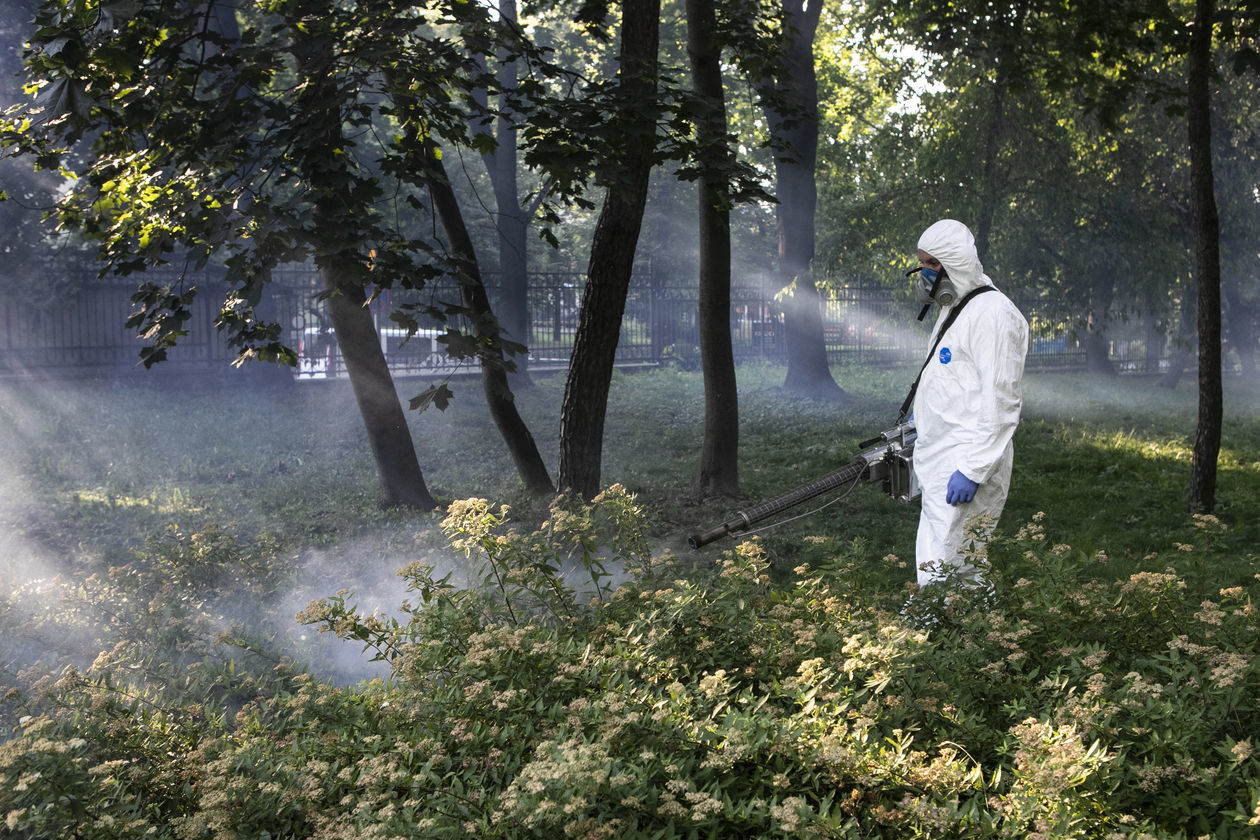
[{"x": 887, "y": 458}]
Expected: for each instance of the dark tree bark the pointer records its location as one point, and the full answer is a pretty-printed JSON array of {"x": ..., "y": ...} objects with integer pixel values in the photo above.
[
  {"x": 1181, "y": 354},
  {"x": 793, "y": 120},
  {"x": 494, "y": 367},
  {"x": 1156, "y": 343},
  {"x": 719, "y": 458},
  {"x": 613, "y": 245},
  {"x": 1097, "y": 345},
  {"x": 402, "y": 483},
  {"x": 512, "y": 225},
  {"x": 511, "y": 219},
  {"x": 1154, "y": 329},
  {"x": 1207, "y": 438},
  {"x": 1005, "y": 67},
  {"x": 1007, "y": 62},
  {"x": 989, "y": 192},
  {"x": 343, "y": 274}
]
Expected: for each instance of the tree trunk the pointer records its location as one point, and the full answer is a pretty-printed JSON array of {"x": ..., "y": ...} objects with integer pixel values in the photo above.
[
  {"x": 796, "y": 127},
  {"x": 342, "y": 274},
  {"x": 1180, "y": 355},
  {"x": 513, "y": 229},
  {"x": 1207, "y": 438},
  {"x": 511, "y": 221},
  {"x": 1155, "y": 331},
  {"x": 1097, "y": 346},
  {"x": 719, "y": 459},
  {"x": 1242, "y": 335},
  {"x": 1097, "y": 350},
  {"x": 1005, "y": 67},
  {"x": 402, "y": 483},
  {"x": 494, "y": 381},
  {"x": 585, "y": 401},
  {"x": 989, "y": 192},
  {"x": 1156, "y": 342}
]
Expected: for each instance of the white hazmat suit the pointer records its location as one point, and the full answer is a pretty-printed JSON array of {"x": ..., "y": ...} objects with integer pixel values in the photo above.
[{"x": 966, "y": 408}]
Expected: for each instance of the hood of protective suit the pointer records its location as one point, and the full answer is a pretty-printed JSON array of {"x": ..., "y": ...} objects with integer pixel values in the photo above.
[{"x": 953, "y": 245}]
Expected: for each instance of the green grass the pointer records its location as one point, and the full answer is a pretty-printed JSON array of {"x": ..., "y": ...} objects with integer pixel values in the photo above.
[{"x": 91, "y": 470}]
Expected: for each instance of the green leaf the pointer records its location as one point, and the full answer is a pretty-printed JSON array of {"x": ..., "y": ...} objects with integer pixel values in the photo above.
[{"x": 439, "y": 396}]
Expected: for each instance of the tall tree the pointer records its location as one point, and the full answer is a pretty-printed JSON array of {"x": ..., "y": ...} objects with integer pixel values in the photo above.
[
  {"x": 632, "y": 142},
  {"x": 485, "y": 326},
  {"x": 1166, "y": 32},
  {"x": 991, "y": 50},
  {"x": 511, "y": 219},
  {"x": 1207, "y": 438},
  {"x": 192, "y": 144},
  {"x": 323, "y": 166},
  {"x": 719, "y": 458},
  {"x": 790, "y": 94}
]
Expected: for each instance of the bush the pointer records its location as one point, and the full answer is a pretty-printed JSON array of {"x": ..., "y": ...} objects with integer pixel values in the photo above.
[{"x": 543, "y": 701}]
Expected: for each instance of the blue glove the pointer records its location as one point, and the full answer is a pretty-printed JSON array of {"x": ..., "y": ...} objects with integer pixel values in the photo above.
[{"x": 960, "y": 489}]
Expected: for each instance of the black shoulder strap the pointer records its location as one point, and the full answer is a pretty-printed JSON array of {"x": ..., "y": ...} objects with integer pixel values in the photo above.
[{"x": 949, "y": 319}]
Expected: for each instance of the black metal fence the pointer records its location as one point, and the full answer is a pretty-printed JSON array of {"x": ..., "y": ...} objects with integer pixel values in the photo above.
[{"x": 863, "y": 323}]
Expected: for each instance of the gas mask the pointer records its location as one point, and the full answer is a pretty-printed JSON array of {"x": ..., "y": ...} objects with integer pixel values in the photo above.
[{"x": 933, "y": 285}]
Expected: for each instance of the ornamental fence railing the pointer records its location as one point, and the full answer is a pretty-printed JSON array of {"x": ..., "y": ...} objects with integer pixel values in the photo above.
[{"x": 863, "y": 323}]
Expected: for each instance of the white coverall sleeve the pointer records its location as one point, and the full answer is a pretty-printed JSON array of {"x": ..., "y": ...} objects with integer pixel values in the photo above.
[{"x": 998, "y": 342}]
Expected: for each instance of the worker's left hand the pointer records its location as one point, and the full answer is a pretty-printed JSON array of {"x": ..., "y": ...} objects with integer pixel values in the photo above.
[{"x": 960, "y": 489}]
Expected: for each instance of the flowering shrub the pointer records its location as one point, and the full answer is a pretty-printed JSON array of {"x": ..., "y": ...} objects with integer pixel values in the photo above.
[{"x": 580, "y": 687}]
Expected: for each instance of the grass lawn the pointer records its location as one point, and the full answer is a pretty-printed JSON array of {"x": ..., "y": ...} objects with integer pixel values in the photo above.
[{"x": 91, "y": 470}]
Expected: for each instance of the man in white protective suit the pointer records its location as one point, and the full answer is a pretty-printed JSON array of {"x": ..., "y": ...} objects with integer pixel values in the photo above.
[{"x": 966, "y": 406}]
